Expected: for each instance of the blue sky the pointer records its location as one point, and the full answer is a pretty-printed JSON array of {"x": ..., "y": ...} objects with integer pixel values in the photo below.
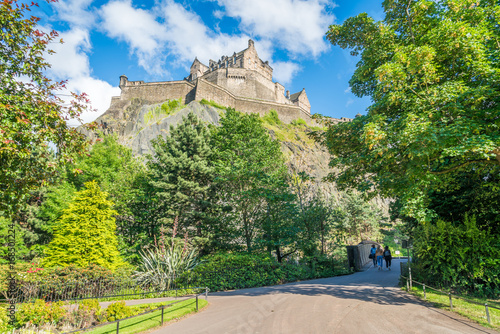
[{"x": 158, "y": 40}]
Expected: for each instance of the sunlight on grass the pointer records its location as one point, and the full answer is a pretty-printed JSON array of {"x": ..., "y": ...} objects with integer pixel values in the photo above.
[
  {"x": 472, "y": 311},
  {"x": 151, "y": 320}
]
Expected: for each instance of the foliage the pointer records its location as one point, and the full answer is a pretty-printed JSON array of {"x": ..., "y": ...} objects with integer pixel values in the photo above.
[
  {"x": 462, "y": 257},
  {"x": 86, "y": 232},
  {"x": 238, "y": 270},
  {"x": 247, "y": 161},
  {"x": 431, "y": 70},
  {"x": 117, "y": 311},
  {"x": 32, "y": 115},
  {"x": 116, "y": 170},
  {"x": 356, "y": 219},
  {"x": 212, "y": 103},
  {"x": 161, "y": 265},
  {"x": 20, "y": 245},
  {"x": 299, "y": 122},
  {"x": 167, "y": 108},
  {"x": 180, "y": 174},
  {"x": 40, "y": 313},
  {"x": 4, "y": 319},
  {"x": 271, "y": 118}
]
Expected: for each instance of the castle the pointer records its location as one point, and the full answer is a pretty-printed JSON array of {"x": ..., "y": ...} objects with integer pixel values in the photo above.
[{"x": 241, "y": 81}]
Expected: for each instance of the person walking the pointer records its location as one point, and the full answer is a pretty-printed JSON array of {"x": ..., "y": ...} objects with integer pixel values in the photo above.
[
  {"x": 387, "y": 257},
  {"x": 380, "y": 255},
  {"x": 373, "y": 250}
]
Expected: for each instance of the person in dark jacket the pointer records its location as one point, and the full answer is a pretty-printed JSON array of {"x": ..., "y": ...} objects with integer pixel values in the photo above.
[{"x": 387, "y": 257}]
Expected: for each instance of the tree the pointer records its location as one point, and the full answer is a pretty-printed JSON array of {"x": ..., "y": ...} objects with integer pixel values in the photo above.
[
  {"x": 32, "y": 116},
  {"x": 245, "y": 159},
  {"x": 355, "y": 218},
  {"x": 86, "y": 232},
  {"x": 180, "y": 174},
  {"x": 117, "y": 172},
  {"x": 432, "y": 71}
]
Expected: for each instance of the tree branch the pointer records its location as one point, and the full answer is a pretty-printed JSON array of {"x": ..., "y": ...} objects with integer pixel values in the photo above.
[
  {"x": 460, "y": 166},
  {"x": 410, "y": 21}
]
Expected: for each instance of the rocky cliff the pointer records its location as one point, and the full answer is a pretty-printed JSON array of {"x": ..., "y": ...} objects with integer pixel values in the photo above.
[{"x": 138, "y": 122}]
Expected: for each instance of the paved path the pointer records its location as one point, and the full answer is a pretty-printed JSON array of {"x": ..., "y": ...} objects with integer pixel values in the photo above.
[{"x": 365, "y": 302}]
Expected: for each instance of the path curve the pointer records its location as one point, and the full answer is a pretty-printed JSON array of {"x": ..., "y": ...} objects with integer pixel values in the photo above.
[{"x": 365, "y": 302}]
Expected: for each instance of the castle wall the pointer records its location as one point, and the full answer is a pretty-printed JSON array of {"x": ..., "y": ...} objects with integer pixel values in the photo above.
[
  {"x": 248, "y": 83},
  {"x": 209, "y": 91},
  {"x": 156, "y": 92}
]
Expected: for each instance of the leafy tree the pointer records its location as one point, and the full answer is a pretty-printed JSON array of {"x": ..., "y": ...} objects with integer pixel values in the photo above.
[
  {"x": 32, "y": 116},
  {"x": 85, "y": 233},
  {"x": 245, "y": 158},
  {"x": 280, "y": 228},
  {"x": 355, "y": 218},
  {"x": 180, "y": 174},
  {"x": 432, "y": 71}
]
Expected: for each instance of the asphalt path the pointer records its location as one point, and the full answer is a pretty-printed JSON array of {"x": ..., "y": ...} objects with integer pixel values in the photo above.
[{"x": 365, "y": 302}]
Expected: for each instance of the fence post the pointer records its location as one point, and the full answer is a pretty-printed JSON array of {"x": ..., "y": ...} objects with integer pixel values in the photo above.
[
  {"x": 117, "y": 326},
  {"x": 407, "y": 285},
  {"x": 206, "y": 293},
  {"x": 425, "y": 297},
  {"x": 196, "y": 303},
  {"x": 162, "y": 309},
  {"x": 487, "y": 313},
  {"x": 451, "y": 303},
  {"x": 409, "y": 272}
]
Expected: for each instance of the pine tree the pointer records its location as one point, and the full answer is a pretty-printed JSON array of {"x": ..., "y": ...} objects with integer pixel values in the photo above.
[
  {"x": 181, "y": 173},
  {"x": 85, "y": 233}
]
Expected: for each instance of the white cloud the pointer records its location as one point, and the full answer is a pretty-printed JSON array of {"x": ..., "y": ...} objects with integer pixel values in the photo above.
[
  {"x": 70, "y": 59},
  {"x": 75, "y": 12},
  {"x": 187, "y": 36},
  {"x": 138, "y": 28},
  {"x": 349, "y": 102},
  {"x": 284, "y": 71},
  {"x": 70, "y": 62},
  {"x": 347, "y": 90},
  {"x": 296, "y": 25}
]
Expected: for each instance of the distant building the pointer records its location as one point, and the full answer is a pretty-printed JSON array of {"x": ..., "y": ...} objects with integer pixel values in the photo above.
[{"x": 241, "y": 81}]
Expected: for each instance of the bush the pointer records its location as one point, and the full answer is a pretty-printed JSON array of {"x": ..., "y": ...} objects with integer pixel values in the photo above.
[
  {"x": 271, "y": 118},
  {"x": 4, "y": 319},
  {"x": 40, "y": 313},
  {"x": 65, "y": 282},
  {"x": 298, "y": 122},
  {"x": 212, "y": 103},
  {"x": 238, "y": 271},
  {"x": 462, "y": 258},
  {"x": 117, "y": 311}
]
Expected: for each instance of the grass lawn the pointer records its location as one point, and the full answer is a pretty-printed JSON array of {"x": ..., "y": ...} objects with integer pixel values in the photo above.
[
  {"x": 472, "y": 311},
  {"x": 151, "y": 320}
]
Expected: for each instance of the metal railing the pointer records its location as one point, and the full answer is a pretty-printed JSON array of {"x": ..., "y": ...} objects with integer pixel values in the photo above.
[
  {"x": 85, "y": 289},
  {"x": 450, "y": 295},
  {"x": 162, "y": 308}
]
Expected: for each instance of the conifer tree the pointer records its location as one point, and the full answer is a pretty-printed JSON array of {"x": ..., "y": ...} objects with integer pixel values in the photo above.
[
  {"x": 85, "y": 233},
  {"x": 180, "y": 174}
]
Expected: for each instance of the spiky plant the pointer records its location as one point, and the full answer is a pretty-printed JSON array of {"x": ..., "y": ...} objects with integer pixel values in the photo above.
[{"x": 160, "y": 266}]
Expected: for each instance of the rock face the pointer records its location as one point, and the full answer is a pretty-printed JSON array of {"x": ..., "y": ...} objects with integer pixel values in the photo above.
[{"x": 138, "y": 123}]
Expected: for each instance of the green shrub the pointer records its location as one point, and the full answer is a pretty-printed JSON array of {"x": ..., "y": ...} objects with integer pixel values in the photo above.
[
  {"x": 65, "y": 282},
  {"x": 40, "y": 313},
  {"x": 4, "y": 319},
  {"x": 271, "y": 118},
  {"x": 117, "y": 311},
  {"x": 462, "y": 258},
  {"x": 212, "y": 103},
  {"x": 298, "y": 122}
]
